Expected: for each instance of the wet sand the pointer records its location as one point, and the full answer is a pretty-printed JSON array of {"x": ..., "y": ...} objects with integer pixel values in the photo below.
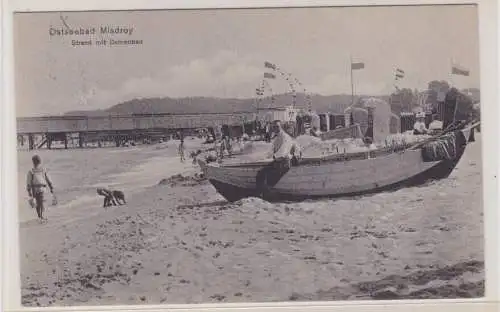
[{"x": 179, "y": 242}]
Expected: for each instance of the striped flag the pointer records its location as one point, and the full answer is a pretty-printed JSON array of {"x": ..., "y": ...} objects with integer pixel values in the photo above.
[
  {"x": 269, "y": 76},
  {"x": 269, "y": 65},
  {"x": 459, "y": 70},
  {"x": 400, "y": 74},
  {"x": 358, "y": 65}
]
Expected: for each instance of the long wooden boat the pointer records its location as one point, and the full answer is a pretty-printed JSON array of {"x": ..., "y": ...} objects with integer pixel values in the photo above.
[{"x": 339, "y": 175}]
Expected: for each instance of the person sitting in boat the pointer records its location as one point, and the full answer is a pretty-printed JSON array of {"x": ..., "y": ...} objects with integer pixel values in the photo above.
[
  {"x": 419, "y": 126},
  {"x": 284, "y": 146},
  {"x": 436, "y": 125},
  {"x": 315, "y": 121},
  {"x": 314, "y": 132}
]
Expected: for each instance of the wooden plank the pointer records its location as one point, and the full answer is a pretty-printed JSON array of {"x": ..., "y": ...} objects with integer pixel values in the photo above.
[
  {"x": 234, "y": 179},
  {"x": 412, "y": 156},
  {"x": 328, "y": 185},
  {"x": 325, "y": 188}
]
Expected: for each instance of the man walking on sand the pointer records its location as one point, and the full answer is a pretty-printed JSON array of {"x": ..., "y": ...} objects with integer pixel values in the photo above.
[
  {"x": 37, "y": 181},
  {"x": 181, "y": 149}
]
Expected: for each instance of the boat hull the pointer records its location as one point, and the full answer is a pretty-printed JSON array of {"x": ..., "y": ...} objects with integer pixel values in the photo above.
[
  {"x": 333, "y": 179},
  {"x": 234, "y": 193}
]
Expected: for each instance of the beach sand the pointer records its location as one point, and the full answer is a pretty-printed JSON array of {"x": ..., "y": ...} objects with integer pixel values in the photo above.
[{"x": 179, "y": 242}]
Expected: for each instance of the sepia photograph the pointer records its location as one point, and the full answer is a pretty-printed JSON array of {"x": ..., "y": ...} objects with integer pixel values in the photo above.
[{"x": 249, "y": 155}]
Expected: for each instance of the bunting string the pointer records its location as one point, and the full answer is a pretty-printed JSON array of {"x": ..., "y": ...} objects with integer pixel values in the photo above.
[
  {"x": 292, "y": 83},
  {"x": 399, "y": 74},
  {"x": 260, "y": 91}
]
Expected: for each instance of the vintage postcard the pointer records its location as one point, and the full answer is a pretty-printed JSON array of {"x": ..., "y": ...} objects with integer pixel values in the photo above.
[{"x": 249, "y": 155}]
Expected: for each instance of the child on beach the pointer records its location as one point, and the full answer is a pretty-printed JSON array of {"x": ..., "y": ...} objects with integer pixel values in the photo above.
[
  {"x": 37, "y": 181},
  {"x": 109, "y": 199}
]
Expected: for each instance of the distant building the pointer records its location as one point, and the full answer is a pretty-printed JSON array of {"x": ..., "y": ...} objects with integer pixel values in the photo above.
[{"x": 284, "y": 114}]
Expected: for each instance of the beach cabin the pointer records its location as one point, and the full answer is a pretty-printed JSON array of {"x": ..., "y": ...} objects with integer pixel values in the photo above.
[
  {"x": 336, "y": 121},
  {"x": 329, "y": 121},
  {"x": 284, "y": 114},
  {"x": 375, "y": 118}
]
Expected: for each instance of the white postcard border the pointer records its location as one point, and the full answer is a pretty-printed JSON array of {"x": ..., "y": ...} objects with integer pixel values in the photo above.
[{"x": 488, "y": 26}]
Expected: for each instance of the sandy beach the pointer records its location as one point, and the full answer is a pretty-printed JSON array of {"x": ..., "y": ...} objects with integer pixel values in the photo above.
[{"x": 179, "y": 242}]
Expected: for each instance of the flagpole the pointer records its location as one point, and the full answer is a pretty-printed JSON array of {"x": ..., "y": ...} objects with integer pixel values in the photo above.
[
  {"x": 451, "y": 73},
  {"x": 456, "y": 108},
  {"x": 451, "y": 86},
  {"x": 352, "y": 83}
]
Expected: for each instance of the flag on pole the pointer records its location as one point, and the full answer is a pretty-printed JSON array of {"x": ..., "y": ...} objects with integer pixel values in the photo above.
[
  {"x": 269, "y": 65},
  {"x": 459, "y": 70},
  {"x": 269, "y": 76},
  {"x": 358, "y": 65}
]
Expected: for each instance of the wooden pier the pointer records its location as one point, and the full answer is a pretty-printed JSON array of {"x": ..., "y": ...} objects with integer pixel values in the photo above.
[{"x": 40, "y": 132}]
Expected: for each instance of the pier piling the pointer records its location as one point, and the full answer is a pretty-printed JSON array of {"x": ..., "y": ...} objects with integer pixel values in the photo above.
[
  {"x": 31, "y": 142},
  {"x": 65, "y": 141},
  {"x": 80, "y": 140}
]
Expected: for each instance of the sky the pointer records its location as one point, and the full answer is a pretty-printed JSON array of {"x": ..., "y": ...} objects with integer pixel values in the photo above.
[{"x": 221, "y": 53}]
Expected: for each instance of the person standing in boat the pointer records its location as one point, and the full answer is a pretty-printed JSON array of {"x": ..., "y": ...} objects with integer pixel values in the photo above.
[
  {"x": 284, "y": 146},
  {"x": 285, "y": 153},
  {"x": 315, "y": 124},
  {"x": 225, "y": 146},
  {"x": 419, "y": 126},
  {"x": 267, "y": 132}
]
